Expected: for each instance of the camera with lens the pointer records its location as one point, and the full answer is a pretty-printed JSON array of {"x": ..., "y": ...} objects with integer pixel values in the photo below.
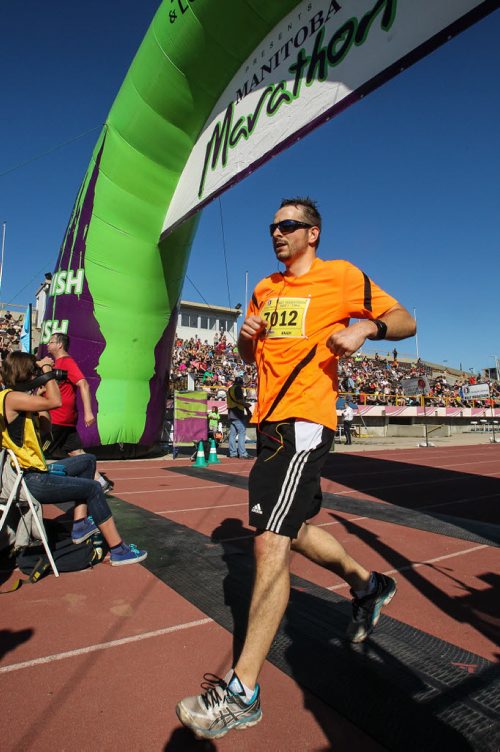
[{"x": 41, "y": 378}]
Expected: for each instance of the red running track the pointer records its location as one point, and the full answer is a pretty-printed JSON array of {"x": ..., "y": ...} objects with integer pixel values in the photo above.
[{"x": 97, "y": 660}]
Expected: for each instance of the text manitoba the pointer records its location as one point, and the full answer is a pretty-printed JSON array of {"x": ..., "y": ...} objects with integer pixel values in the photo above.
[{"x": 309, "y": 68}]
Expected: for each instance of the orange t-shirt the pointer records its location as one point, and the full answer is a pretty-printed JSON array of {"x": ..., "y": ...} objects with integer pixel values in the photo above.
[{"x": 297, "y": 372}]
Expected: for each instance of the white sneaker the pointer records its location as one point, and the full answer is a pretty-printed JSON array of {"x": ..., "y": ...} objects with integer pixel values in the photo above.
[{"x": 219, "y": 709}]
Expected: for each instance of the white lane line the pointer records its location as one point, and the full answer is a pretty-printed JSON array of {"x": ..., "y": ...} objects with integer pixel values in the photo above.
[
  {"x": 140, "y": 477},
  {"x": 169, "y": 490},
  {"x": 440, "y": 452},
  {"x": 416, "y": 509},
  {"x": 403, "y": 485},
  {"x": 459, "y": 501},
  {"x": 415, "y": 467},
  {"x": 246, "y": 537},
  {"x": 419, "y": 564},
  {"x": 126, "y": 478},
  {"x": 231, "y": 540},
  {"x": 103, "y": 646},
  {"x": 204, "y": 509},
  {"x": 341, "y": 522}
]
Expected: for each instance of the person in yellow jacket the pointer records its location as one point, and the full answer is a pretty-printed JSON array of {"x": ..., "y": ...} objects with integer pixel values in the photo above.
[
  {"x": 237, "y": 412},
  {"x": 23, "y": 416}
]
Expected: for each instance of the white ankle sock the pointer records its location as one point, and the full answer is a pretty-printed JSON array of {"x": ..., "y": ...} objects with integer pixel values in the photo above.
[{"x": 237, "y": 687}]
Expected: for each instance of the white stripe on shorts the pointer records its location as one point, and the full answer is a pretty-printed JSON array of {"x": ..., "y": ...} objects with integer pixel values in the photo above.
[
  {"x": 307, "y": 437},
  {"x": 287, "y": 494}
]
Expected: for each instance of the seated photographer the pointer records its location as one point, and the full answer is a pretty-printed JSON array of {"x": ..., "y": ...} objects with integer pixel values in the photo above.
[{"x": 23, "y": 416}]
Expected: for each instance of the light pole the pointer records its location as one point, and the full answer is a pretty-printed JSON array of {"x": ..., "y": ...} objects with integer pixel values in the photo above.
[{"x": 416, "y": 333}]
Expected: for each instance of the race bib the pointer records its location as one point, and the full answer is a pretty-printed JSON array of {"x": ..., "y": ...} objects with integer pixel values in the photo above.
[{"x": 285, "y": 317}]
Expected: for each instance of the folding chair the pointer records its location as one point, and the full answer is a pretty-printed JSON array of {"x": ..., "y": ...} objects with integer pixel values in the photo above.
[{"x": 19, "y": 484}]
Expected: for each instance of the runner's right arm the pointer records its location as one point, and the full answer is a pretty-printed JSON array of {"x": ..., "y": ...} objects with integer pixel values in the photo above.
[{"x": 252, "y": 328}]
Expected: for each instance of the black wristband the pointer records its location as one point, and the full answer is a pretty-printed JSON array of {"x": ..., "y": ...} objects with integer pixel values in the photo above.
[{"x": 381, "y": 330}]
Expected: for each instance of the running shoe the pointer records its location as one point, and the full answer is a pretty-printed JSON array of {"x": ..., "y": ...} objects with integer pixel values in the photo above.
[
  {"x": 126, "y": 554},
  {"x": 108, "y": 485},
  {"x": 219, "y": 709},
  {"x": 366, "y": 610},
  {"x": 83, "y": 529}
]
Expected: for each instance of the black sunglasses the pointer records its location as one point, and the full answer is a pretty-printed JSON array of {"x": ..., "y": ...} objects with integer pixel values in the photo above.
[{"x": 287, "y": 225}]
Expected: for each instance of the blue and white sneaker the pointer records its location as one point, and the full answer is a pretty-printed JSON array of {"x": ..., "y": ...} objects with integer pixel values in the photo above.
[
  {"x": 126, "y": 554},
  {"x": 83, "y": 529},
  {"x": 219, "y": 709},
  {"x": 366, "y": 610}
]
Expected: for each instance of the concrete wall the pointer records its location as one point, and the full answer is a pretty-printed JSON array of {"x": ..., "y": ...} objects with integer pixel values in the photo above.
[{"x": 412, "y": 427}]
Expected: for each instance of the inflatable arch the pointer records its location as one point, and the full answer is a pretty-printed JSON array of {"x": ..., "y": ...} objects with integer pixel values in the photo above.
[{"x": 216, "y": 88}]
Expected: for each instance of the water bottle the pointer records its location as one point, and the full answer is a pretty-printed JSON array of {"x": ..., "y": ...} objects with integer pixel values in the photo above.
[{"x": 99, "y": 546}]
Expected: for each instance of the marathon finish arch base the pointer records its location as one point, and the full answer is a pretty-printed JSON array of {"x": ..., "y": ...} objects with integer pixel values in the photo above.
[{"x": 217, "y": 88}]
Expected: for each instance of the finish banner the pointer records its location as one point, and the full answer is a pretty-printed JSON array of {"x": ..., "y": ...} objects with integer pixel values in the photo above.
[{"x": 320, "y": 58}]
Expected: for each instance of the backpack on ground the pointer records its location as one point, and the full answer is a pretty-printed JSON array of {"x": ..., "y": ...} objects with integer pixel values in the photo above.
[{"x": 68, "y": 556}]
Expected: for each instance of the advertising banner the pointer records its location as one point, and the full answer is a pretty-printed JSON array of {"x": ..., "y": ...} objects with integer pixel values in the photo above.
[
  {"x": 190, "y": 417},
  {"x": 412, "y": 387},
  {"x": 475, "y": 391}
]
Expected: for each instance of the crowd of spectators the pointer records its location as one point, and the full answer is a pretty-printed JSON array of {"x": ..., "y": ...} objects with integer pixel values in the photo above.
[
  {"x": 363, "y": 379},
  {"x": 10, "y": 331},
  {"x": 213, "y": 368},
  {"x": 379, "y": 380}
]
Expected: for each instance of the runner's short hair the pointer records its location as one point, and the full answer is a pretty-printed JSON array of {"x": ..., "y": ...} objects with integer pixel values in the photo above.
[{"x": 309, "y": 208}]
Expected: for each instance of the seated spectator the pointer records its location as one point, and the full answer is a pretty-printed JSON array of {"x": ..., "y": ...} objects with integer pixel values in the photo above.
[{"x": 23, "y": 415}]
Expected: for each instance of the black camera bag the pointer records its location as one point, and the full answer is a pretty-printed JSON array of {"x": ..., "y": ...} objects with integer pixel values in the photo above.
[{"x": 68, "y": 556}]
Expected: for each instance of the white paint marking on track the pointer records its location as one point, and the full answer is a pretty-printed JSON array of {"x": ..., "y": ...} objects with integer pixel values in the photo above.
[
  {"x": 416, "y": 509},
  {"x": 103, "y": 646},
  {"x": 410, "y": 452},
  {"x": 341, "y": 522},
  {"x": 401, "y": 485},
  {"x": 204, "y": 509},
  {"x": 169, "y": 490},
  {"x": 165, "y": 477},
  {"x": 459, "y": 501},
  {"x": 246, "y": 537},
  {"x": 414, "y": 467},
  {"x": 419, "y": 564},
  {"x": 141, "y": 477}
]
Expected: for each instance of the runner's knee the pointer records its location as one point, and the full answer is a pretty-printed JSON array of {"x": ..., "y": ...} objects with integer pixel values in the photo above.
[{"x": 271, "y": 545}]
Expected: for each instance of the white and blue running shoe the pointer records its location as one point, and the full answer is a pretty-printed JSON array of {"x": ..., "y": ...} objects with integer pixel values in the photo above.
[{"x": 219, "y": 708}]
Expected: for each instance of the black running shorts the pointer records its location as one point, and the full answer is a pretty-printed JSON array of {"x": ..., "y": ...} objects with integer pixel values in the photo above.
[
  {"x": 64, "y": 439},
  {"x": 284, "y": 484}
]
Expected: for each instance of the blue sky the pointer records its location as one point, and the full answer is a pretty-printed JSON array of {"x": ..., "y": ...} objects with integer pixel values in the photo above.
[{"x": 407, "y": 180}]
